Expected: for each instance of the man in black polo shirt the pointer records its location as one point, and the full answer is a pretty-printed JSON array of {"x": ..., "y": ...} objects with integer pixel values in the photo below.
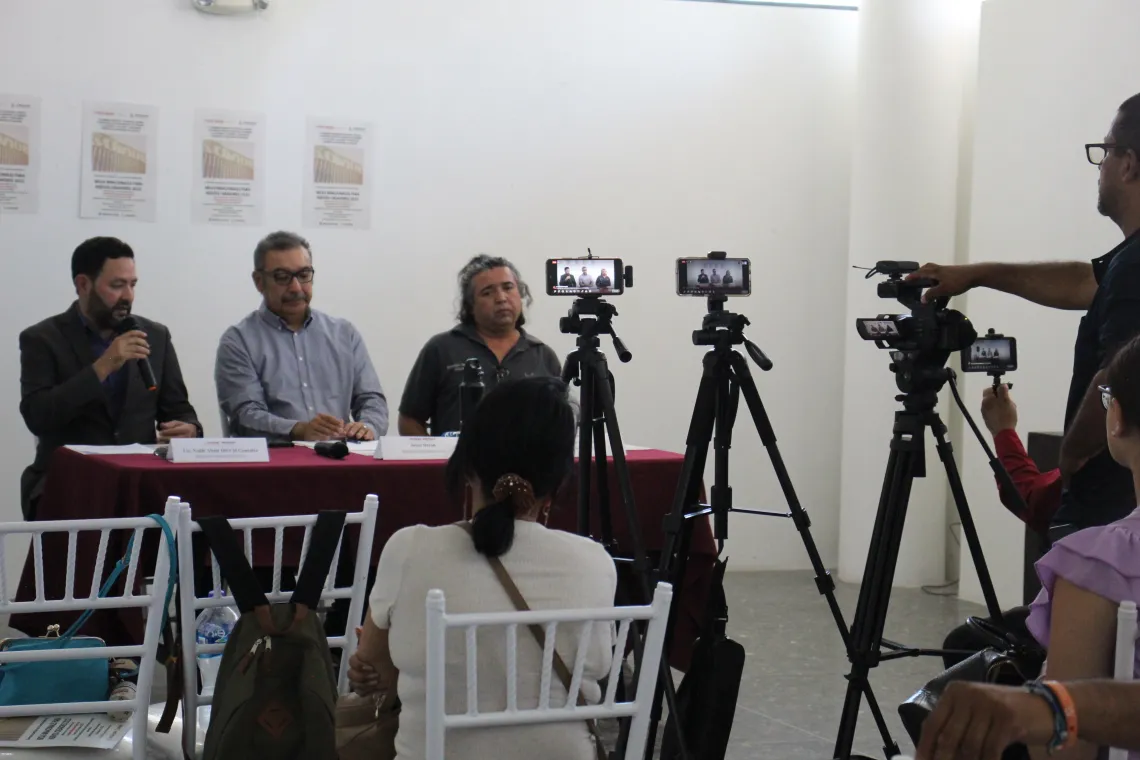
[
  {"x": 490, "y": 329},
  {"x": 1097, "y": 490}
]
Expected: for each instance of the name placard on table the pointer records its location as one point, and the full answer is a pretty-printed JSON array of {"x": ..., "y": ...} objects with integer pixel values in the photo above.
[
  {"x": 217, "y": 450},
  {"x": 407, "y": 448}
]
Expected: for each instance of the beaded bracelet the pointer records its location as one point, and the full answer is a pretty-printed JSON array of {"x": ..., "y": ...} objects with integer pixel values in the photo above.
[{"x": 1064, "y": 713}]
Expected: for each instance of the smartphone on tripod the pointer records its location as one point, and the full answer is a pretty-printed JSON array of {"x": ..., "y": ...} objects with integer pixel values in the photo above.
[{"x": 714, "y": 277}]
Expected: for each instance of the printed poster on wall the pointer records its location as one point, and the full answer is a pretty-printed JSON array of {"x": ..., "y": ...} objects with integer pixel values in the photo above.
[
  {"x": 229, "y": 168},
  {"x": 338, "y": 174},
  {"x": 120, "y": 172},
  {"x": 19, "y": 154}
]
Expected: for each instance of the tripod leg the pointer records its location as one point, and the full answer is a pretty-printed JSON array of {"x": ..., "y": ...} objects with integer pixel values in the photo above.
[
  {"x": 874, "y": 592},
  {"x": 585, "y": 430},
  {"x": 946, "y": 454},
  {"x": 604, "y": 397},
  {"x": 697, "y": 443},
  {"x": 605, "y": 401},
  {"x": 678, "y": 528},
  {"x": 727, "y": 401},
  {"x": 743, "y": 380},
  {"x": 823, "y": 580},
  {"x": 601, "y": 467}
]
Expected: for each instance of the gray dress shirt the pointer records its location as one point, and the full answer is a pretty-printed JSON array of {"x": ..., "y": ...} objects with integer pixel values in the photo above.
[{"x": 269, "y": 378}]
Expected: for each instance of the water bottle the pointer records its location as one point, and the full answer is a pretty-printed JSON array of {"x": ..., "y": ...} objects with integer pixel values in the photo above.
[{"x": 213, "y": 627}]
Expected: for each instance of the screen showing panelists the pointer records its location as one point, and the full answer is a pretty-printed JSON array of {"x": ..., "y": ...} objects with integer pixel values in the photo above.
[
  {"x": 719, "y": 276},
  {"x": 588, "y": 276}
]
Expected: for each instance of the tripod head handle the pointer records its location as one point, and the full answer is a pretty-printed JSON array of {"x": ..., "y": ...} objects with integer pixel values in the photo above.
[
  {"x": 570, "y": 368},
  {"x": 623, "y": 353},
  {"x": 758, "y": 356}
]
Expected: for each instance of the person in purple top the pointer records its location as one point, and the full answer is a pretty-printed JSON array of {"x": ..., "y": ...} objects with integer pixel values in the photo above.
[{"x": 1086, "y": 575}]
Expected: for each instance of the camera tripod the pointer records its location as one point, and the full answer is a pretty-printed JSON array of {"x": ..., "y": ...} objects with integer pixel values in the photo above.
[
  {"x": 586, "y": 366},
  {"x": 726, "y": 376},
  {"x": 906, "y": 462}
]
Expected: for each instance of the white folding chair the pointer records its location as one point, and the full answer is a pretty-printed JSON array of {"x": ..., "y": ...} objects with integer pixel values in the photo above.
[
  {"x": 438, "y": 720},
  {"x": 151, "y": 602},
  {"x": 191, "y": 604},
  {"x": 1125, "y": 665}
]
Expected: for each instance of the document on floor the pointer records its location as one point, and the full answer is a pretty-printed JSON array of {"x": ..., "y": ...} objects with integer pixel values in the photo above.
[
  {"x": 130, "y": 448},
  {"x": 95, "y": 731}
]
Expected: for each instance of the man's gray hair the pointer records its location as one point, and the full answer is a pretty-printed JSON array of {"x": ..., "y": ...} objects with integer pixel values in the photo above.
[
  {"x": 477, "y": 266},
  {"x": 278, "y": 241}
]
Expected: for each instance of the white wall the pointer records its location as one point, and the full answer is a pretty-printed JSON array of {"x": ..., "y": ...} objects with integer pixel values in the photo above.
[
  {"x": 642, "y": 128},
  {"x": 1051, "y": 76},
  {"x": 913, "y": 61}
]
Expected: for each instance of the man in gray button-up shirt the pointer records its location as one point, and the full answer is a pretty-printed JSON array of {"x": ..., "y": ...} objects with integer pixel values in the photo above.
[{"x": 286, "y": 372}]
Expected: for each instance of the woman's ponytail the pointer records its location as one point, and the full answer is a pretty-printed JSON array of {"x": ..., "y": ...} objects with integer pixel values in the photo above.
[{"x": 493, "y": 528}]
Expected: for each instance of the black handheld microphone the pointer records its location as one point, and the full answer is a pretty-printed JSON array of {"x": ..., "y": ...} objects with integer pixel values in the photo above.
[
  {"x": 331, "y": 449},
  {"x": 470, "y": 389},
  {"x": 126, "y": 325}
]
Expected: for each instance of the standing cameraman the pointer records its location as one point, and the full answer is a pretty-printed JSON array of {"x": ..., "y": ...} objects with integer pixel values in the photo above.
[{"x": 1097, "y": 491}]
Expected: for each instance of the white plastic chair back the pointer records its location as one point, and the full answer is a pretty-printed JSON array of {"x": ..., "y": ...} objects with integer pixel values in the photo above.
[
  {"x": 75, "y": 600},
  {"x": 1125, "y": 659},
  {"x": 438, "y": 720},
  {"x": 192, "y": 605}
]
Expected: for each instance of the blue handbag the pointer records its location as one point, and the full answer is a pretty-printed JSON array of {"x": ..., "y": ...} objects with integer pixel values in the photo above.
[{"x": 60, "y": 681}]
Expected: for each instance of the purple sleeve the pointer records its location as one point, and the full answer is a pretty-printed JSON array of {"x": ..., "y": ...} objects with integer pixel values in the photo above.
[{"x": 1104, "y": 561}]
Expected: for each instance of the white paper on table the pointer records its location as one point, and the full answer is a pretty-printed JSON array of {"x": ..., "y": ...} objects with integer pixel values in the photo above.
[
  {"x": 364, "y": 448},
  {"x": 19, "y": 154},
  {"x": 120, "y": 162},
  {"x": 229, "y": 168},
  {"x": 337, "y": 186},
  {"x": 95, "y": 731},
  {"x": 130, "y": 448}
]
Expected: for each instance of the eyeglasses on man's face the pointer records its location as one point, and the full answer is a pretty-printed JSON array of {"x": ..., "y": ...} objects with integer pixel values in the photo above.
[
  {"x": 285, "y": 277},
  {"x": 1096, "y": 153},
  {"x": 1105, "y": 396}
]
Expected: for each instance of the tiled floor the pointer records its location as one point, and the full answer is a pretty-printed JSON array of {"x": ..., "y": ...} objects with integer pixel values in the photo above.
[{"x": 793, "y": 687}]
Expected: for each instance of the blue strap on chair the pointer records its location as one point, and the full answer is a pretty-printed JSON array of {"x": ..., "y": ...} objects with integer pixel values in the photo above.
[{"x": 61, "y": 681}]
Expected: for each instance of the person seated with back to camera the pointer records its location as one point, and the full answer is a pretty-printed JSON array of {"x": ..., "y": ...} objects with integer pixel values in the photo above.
[
  {"x": 79, "y": 383},
  {"x": 289, "y": 373},
  {"x": 1040, "y": 494},
  {"x": 515, "y": 452},
  {"x": 490, "y": 329},
  {"x": 1086, "y": 575}
]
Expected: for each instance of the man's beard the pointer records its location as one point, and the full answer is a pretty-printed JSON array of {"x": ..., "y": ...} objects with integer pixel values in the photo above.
[
  {"x": 104, "y": 316},
  {"x": 1104, "y": 202}
]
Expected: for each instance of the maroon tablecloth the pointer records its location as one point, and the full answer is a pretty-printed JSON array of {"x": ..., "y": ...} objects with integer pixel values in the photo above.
[{"x": 297, "y": 481}]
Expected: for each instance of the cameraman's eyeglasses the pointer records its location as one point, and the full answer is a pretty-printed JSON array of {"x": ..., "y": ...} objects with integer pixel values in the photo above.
[
  {"x": 1096, "y": 153},
  {"x": 1105, "y": 396},
  {"x": 284, "y": 276}
]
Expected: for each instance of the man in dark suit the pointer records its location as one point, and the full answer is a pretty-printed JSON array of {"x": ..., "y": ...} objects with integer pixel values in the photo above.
[{"x": 79, "y": 383}]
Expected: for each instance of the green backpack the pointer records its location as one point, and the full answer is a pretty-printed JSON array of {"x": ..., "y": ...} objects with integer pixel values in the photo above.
[{"x": 276, "y": 691}]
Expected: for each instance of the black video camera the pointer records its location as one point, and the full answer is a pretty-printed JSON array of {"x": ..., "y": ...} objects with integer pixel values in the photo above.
[
  {"x": 930, "y": 328},
  {"x": 923, "y": 340}
]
